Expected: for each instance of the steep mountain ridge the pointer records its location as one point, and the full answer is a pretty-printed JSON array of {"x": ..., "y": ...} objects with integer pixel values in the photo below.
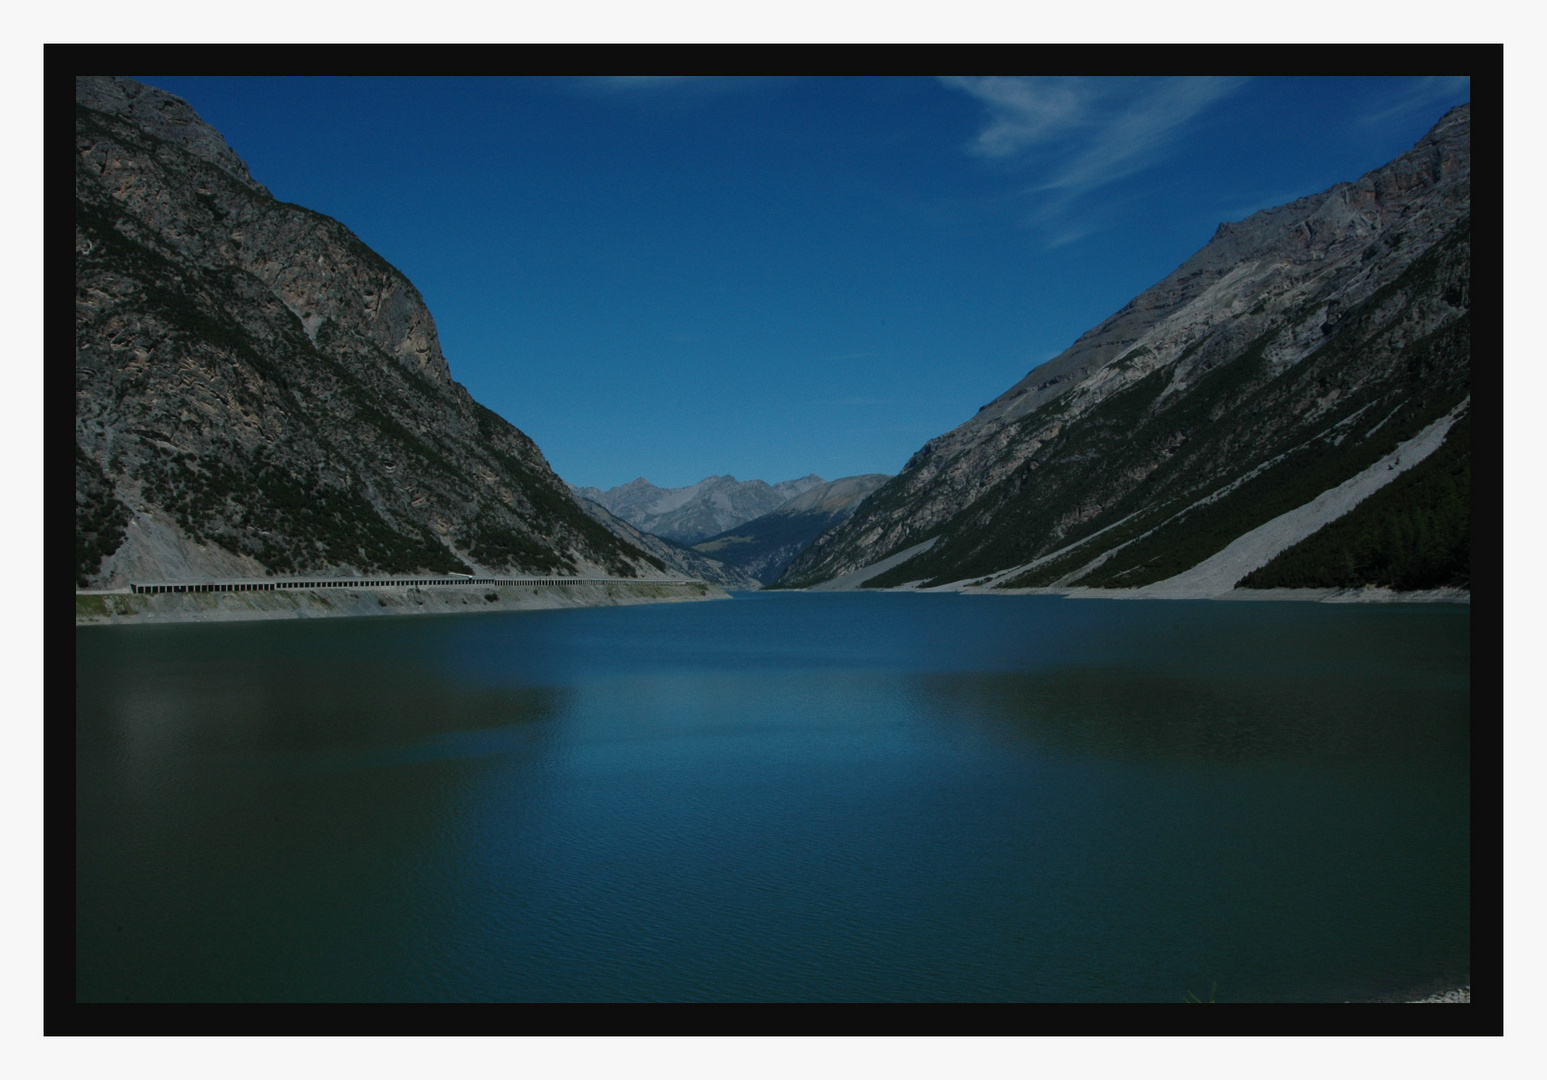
[
  {"x": 694, "y": 513},
  {"x": 1293, "y": 350},
  {"x": 258, "y": 391}
]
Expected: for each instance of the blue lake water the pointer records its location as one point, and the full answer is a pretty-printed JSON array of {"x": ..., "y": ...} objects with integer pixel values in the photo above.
[{"x": 782, "y": 797}]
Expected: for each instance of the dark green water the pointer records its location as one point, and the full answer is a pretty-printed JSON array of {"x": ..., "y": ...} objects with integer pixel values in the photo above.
[{"x": 779, "y": 798}]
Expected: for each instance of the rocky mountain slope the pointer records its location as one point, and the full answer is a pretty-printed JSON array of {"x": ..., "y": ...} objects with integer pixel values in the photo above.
[
  {"x": 699, "y": 511},
  {"x": 764, "y": 546},
  {"x": 257, "y": 391},
  {"x": 1297, "y": 350}
]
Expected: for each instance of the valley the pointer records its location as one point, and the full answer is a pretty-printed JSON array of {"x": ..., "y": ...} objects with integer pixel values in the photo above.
[
  {"x": 259, "y": 393},
  {"x": 961, "y": 733}
]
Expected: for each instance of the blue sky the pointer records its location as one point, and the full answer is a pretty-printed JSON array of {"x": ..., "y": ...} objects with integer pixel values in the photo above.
[{"x": 769, "y": 277}]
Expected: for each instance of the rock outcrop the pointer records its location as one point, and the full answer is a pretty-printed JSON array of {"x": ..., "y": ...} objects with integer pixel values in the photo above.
[
  {"x": 258, "y": 391},
  {"x": 1292, "y": 352}
]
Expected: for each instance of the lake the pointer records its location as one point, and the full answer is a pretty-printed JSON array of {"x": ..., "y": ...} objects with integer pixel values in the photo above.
[{"x": 781, "y": 797}]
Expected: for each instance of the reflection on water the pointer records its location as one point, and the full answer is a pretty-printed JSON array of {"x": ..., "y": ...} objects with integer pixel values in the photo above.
[
  {"x": 1150, "y": 715},
  {"x": 241, "y": 790},
  {"x": 778, "y": 798}
]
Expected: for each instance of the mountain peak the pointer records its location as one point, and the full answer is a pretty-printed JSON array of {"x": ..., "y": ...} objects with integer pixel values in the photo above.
[
  {"x": 690, "y": 514},
  {"x": 164, "y": 116}
]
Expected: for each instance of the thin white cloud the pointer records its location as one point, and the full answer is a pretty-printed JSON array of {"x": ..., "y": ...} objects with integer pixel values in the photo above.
[
  {"x": 1069, "y": 233},
  {"x": 1083, "y": 133},
  {"x": 1426, "y": 92},
  {"x": 1138, "y": 134},
  {"x": 1026, "y": 110},
  {"x": 1076, "y": 135}
]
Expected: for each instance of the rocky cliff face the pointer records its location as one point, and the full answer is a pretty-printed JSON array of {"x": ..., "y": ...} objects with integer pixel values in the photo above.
[
  {"x": 764, "y": 546},
  {"x": 1293, "y": 351},
  {"x": 699, "y": 511},
  {"x": 257, "y": 391}
]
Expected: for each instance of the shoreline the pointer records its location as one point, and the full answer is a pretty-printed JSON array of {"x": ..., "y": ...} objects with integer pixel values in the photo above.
[
  {"x": 1448, "y": 994},
  {"x": 123, "y": 608},
  {"x": 1366, "y": 595}
]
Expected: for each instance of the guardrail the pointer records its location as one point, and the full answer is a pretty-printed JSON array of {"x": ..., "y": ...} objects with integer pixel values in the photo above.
[{"x": 286, "y": 584}]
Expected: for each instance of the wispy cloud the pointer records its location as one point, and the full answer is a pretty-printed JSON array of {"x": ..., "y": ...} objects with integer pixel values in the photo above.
[
  {"x": 1026, "y": 110},
  {"x": 1072, "y": 136},
  {"x": 1083, "y": 133},
  {"x": 1424, "y": 92}
]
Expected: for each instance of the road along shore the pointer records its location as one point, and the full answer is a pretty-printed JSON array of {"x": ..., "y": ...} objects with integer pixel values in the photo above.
[{"x": 122, "y": 607}]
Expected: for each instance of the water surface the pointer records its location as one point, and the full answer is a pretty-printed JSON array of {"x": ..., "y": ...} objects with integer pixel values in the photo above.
[{"x": 783, "y": 797}]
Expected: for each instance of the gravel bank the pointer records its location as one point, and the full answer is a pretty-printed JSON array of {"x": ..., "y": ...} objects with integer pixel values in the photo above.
[
  {"x": 855, "y": 578},
  {"x": 1218, "y": 574}
]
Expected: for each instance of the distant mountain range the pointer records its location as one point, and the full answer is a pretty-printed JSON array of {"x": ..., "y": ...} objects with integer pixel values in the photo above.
[
  {"x": 679, "y": 557},
  {"x": 257, "y": 391},
  {"x": 699, "y": 511},
  {"x": 748, "y": 528},
  {"x": 1288, "y": 408},
  {"x": 764, "y": 546}
]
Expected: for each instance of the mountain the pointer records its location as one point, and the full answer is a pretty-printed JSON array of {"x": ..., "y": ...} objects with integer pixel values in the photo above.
[
  {"x": 258, "y": 391},
  {"x": 699, "y": 511},
  {"x": 764, "y": 546},
  {"x": 1224, "y": 418}
]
